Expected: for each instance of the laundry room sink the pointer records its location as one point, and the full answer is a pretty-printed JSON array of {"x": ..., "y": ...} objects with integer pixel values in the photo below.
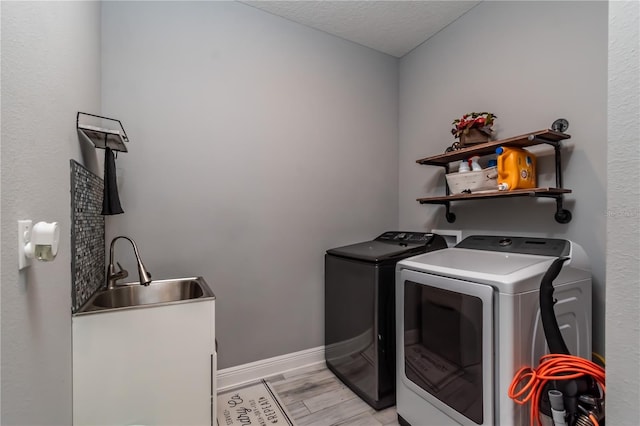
[
  {"x": 135, "y": 345},
  {"x": 158, "y": 292}
]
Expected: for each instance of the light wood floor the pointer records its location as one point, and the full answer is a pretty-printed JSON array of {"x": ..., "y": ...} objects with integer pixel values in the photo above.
[{"x": 314, "y": 396}]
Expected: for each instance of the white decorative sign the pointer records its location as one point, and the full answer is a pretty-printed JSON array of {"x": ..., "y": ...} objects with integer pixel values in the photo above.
[{"x": 255, "y": 405}]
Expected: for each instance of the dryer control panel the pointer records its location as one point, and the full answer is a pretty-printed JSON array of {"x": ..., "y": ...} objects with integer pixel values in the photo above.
[{"x": 525, "y": 245}]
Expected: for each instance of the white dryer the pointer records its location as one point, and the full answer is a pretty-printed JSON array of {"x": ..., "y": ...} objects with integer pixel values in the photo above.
[{"x": 468, "y": 317}]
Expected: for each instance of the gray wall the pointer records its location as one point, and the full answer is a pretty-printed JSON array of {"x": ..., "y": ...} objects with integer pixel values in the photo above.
[
  {"x": 256, "y": 145},
  {"x": 623, "y": 215},
  {"x": 50, "y": 70},
  {"x": 529, "y": 63}
]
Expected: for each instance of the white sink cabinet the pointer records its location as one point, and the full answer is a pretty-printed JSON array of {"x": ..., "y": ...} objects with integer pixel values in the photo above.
[{"x": 152, "y": 365}]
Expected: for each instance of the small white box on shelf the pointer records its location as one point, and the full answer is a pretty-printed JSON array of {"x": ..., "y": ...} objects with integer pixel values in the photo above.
[{"x": 481, "y": 180}]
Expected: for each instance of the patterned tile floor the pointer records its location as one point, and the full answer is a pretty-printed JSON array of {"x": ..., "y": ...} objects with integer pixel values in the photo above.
[{"x": 314, "y": 396}]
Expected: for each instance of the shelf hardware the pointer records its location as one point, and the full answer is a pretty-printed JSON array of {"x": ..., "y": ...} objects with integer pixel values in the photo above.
[{"x": 562, "y": 215}]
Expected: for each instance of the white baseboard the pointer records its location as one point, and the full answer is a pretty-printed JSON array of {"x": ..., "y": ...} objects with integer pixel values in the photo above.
[{"x": 240, "y": 374}]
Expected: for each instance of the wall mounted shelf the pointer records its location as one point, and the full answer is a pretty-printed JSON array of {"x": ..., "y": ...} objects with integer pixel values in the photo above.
[
  {"x": 102, "y": 137},
  {"x": 549, "y": 137}
]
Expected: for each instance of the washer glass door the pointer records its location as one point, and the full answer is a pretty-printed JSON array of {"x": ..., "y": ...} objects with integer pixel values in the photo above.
[{"x": 447, "y": 344}]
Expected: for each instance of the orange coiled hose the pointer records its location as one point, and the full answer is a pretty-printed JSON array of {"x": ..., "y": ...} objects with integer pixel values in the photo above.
[{"x": 528, "y": 383}]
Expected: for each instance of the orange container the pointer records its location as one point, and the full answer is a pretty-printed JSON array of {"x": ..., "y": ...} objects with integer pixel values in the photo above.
[{"x": 516, "y": 168}]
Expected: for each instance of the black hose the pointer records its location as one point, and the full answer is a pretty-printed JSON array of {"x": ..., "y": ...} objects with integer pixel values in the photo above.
[
  {"x": 549, "y": 322},
  {"x": 570, "y": 388}
]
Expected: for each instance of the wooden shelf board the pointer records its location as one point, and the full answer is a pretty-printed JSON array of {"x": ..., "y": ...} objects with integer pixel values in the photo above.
[
  {"x": 532, "y": 192},
  {"x": 528, "y": 139}
]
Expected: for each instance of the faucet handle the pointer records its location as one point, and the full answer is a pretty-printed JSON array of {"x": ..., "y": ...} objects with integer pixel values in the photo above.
[{"x": 122, "y": 273}]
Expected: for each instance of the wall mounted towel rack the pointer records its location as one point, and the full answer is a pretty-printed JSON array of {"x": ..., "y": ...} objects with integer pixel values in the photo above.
[{"x": 102, "y": 137}]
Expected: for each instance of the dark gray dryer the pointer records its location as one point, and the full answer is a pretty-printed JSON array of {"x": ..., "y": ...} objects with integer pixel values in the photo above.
[{"x": 360, "y": 311}]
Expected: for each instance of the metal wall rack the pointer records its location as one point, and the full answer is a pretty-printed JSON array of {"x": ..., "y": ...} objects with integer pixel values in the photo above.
[{"x": 102, "y": 137}]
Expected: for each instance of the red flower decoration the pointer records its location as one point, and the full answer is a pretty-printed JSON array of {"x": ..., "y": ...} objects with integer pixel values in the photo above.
[{"x": 478, "y": 120}]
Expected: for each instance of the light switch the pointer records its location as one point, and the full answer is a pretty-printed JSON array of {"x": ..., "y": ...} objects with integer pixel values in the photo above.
[{"x": 24, "y": 236}]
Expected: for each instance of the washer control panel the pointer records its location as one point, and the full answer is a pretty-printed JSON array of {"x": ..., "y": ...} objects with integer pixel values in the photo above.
[{"x": 407, "y": 237}]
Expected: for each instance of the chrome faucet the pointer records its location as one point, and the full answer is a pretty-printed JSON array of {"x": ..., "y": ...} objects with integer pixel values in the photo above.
[{"x": 113, "y": 276}]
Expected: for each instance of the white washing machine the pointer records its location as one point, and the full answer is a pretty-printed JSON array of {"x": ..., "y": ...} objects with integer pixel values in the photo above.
[{"x": 468, "y": 317}]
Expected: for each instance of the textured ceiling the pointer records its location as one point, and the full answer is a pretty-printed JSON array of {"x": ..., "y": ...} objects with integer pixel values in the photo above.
[{"x": 392, "y": 27}]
